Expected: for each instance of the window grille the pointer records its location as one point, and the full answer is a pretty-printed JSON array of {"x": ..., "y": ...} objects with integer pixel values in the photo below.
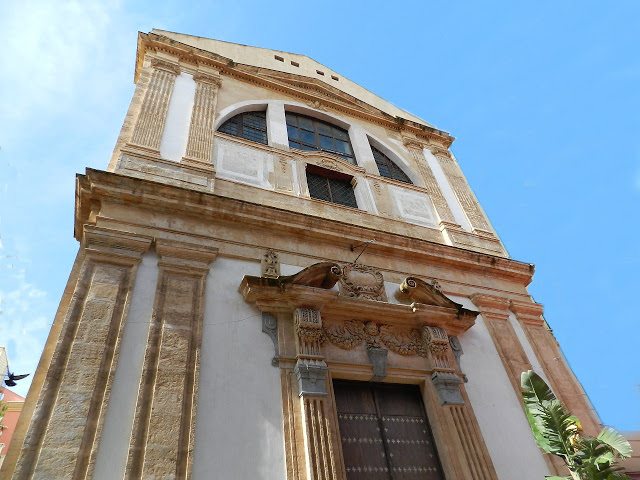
[
  {"x": 306, "y": 133},
  {"x": 388, "y": 168},
  {"x": 249, "y": 125},
  {"x": 329, "y": 189}
]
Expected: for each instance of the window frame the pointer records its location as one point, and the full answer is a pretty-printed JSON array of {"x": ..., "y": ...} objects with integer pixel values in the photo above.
[
  {"x": 331, "y": 175},
  {"x": 241, "y": 126},
  {"x": 390, "y": 165},
  {"x": 318, "y": 135}
]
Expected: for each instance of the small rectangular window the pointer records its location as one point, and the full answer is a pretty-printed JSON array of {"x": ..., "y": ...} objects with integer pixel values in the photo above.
[
  {"x": 295, "y": 64},
  {"x": 334, "y": 78},
  {"x": 279, "y": 58},
  {"x": 319, "y": 72},
  {"x": 330, "y": 186}
]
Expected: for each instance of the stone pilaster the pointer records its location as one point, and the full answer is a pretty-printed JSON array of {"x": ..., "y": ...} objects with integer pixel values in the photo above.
[
  {"x": 320, "y": 436},
  {"x": 430, "y": 182},
  {"x": 462, "y": 190},
  {"x": 201, "y": 129},
  {"x": 496, "y": 317},
  {"x": 561, "y": 379},
  {"x": 472, "y": 452},
  {"x": 147, "y": 133},
  {"x": 161, "y": 443},
  {"x": 63, "y": 437}
]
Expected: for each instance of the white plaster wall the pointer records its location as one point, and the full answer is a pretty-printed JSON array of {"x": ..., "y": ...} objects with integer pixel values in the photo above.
[
  {"x": 502, "y": 421},
  {"x": 239, "y": 424},
  {"x": 447, "y": 191},
  {"x": 176, "y": 129},
  {"x": 111, "y": 459}
]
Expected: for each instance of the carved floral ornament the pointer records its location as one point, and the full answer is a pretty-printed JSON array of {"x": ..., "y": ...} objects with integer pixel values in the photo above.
[{"x": 412, "y": 342}]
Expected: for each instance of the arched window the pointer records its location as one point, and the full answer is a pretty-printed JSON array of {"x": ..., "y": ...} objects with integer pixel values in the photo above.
[
  {"x": 249, "y": 125},
  {"x": 308, "y": 133},
  {"x": 387, "y": 168}
]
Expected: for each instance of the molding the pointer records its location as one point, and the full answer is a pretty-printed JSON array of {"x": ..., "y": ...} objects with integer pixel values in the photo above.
[
  {"x": 212, "y": 209},
  {"x": 529, "y": 313},
  {"x": 305, "y": 88}
]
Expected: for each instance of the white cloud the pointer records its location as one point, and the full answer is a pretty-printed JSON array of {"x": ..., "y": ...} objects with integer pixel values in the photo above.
[{"x": 50, "y": 52}]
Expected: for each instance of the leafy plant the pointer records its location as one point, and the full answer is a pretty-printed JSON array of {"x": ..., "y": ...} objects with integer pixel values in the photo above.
[{"x": 558, "y": 433}]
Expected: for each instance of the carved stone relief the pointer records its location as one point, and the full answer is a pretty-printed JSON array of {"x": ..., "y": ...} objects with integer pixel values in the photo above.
[
  {"x": 362, "y": 281},
  {"x": 270, "y": 264},
  {"x": 310, "y": 370},
  {"x": 353, "y": 333}
]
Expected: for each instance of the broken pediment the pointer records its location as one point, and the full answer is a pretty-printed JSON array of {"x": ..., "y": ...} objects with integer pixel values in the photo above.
[{"x": 415, "y": 290}]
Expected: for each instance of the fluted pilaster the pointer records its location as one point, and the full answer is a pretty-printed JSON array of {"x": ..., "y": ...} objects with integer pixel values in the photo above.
[
  {"x": 153, "y": 112},
  {"x": 430, "y": 182},
  {"x": 201, "y": 130}
]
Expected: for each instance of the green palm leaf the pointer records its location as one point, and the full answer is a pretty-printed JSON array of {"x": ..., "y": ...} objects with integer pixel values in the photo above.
[{"x": 615, "y": 441}]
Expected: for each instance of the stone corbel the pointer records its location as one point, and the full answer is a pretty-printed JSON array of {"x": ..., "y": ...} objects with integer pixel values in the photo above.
[
  {"x": 444, "y": 378},
  {"x": 311, "y": 369}
]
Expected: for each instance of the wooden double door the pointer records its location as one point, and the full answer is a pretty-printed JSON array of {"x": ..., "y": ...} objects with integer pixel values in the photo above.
[{"x": 385, "y": 433}]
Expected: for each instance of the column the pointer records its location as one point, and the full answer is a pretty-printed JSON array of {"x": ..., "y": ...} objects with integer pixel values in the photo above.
[
  {"x": 472, "y": 459},
  {"x": 561, "y": 378},
  {"x": 311, "y": 371},
  {"x": 430, "y": 182},
  {"x": 201, "y": 129},
  {"x": 147, "y": 133},
  {"x": 62, "y": 440},
  {"x": 161, "y": 443},
  {"x": 462, "y": 190},
  {"x": 496, "y": 317}
]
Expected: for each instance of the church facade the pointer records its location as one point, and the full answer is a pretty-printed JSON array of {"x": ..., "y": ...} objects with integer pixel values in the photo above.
[{"x": 283, "y": 276}]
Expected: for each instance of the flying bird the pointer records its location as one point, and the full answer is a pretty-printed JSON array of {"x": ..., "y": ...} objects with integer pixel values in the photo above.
[{"x": 11, "y": 381}]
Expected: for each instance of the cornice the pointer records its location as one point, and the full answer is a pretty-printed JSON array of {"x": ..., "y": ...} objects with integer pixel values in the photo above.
[
  {"x": 97, "y": 186},
  {"x": 150, "y": 42}
]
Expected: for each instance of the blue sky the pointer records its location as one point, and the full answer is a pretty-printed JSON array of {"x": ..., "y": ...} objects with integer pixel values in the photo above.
[{"x": 542, "y": 97}]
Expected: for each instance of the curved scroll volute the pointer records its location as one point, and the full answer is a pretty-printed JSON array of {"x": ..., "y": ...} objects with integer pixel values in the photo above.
[{"x": 321, "y": 275}]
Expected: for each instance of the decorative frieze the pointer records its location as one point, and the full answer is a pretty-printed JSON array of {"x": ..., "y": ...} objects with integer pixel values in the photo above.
[
  {"x": 201, "y": 129},
  {"x": 62, "y": 440},
  {"x": 430, "y": 183},
  {"x": 161, "y": 443},
  {"x": 147, "y": 133}
]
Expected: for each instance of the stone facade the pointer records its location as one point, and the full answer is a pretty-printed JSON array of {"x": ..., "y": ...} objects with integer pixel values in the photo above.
[{"x": 194, "y": 242}]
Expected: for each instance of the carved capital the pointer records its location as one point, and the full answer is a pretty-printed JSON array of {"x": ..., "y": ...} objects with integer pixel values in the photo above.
[
  {"x": 311, "y": 377},
  {"x": 309, "y": 333},
  {"x": 529, "y": 313},
  {"x": 214, "y": 80},
  {"x": 188, "y": 257},
  {"x": 165, "y": 66},
  {"x": 448, "y": 387},
  {"x": 491, "y": 306},
  {"x": 116, "y": 246},
  {"x": 412, "y": 143}
]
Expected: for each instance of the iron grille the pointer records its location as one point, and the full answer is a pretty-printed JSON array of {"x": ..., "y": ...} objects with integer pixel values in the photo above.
[
  {"x": 249, "y": 125},
  {"x": 331, "y": 190},
  {"x": 388, "y": 168}
]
